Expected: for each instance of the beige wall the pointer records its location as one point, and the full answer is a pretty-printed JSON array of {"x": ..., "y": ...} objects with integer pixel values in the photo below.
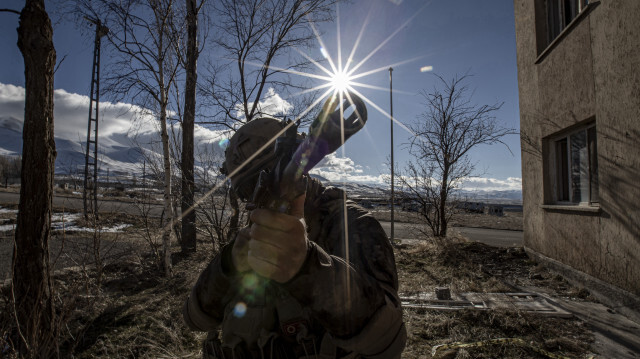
[{"x": 592, "y": 71}]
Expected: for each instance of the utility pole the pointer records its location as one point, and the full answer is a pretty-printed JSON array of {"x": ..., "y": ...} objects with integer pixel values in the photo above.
[
  {"x": 90, "y": 200},
  {"x": 392, "y": 162}
]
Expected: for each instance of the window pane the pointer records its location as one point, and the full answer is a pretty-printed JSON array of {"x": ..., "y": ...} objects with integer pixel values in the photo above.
[
  {"x": 593, "y": 165},
  {"x": 579, "y": 167},
  {"x": 554, "y": 19},
  {"x": 562, "y": 170},
  {"x": 570, "y": 11}
]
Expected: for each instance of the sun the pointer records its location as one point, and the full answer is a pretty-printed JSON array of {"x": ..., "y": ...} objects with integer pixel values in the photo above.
[
  {"x": 338, "y": 78},
  {"x": 340, "y": 81}
]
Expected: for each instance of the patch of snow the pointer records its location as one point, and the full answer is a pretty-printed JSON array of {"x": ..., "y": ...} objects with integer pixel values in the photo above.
[
  {"x": 65, "y": 216},
  {"x": 7, "y": 227},
  {"x": 65, "y": 221},
  {"x": 114, "y": 229}
]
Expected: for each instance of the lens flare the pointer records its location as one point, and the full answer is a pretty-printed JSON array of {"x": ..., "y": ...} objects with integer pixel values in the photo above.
[
  {"x": 240, "y": 310},
  {"x": 250, "y": 281},
  {"x": 324, "y": 53},
  {"x": 223, "y": 143}
]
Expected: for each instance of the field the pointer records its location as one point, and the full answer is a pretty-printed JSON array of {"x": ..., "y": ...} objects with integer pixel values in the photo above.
[
  {"x": 127, "y": 309},
  {"x": 512, "y": 220}
]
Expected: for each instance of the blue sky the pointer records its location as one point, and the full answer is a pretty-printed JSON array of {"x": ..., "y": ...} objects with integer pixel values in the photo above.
[{"x": 451, "y": 36}]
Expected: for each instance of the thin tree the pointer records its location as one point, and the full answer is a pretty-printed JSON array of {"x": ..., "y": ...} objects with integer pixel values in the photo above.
[
  {"x": 188, "y": 238},
  {"x": 32, "y": 287},
  {"x": 214, "y": 210},
  {"x": 445, "y": 132},
  {"x": 10, "y": 167},
  {"x": 144, "y": 35}
]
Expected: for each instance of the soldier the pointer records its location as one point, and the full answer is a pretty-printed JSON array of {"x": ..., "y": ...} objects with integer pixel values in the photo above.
[{"x": 298, "y": 285}]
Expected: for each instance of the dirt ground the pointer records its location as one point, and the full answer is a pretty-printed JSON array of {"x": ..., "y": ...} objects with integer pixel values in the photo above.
[
  {"x": 128, "y": 310},
  {"x": 512, "y": 220}
]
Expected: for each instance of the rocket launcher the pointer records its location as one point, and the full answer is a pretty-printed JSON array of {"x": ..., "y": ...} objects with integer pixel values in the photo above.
[{"x": 278, "y": 186}]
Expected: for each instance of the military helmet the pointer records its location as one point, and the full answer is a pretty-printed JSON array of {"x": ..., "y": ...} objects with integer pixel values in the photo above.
[{"x": 248, "y": 142}]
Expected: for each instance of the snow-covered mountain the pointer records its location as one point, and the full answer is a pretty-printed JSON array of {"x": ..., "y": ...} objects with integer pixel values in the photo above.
[
  {"x": 124, "y": 155},
  {"x": 371, "y": 190},
  {"x": 118, "y": 152},
  {"x": 11, "y": 136}
]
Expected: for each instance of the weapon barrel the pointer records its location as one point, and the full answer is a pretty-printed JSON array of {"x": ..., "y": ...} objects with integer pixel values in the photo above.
[{"x": 327, "y": 133}]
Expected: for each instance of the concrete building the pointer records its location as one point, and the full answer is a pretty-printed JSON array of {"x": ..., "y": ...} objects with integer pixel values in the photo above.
[{"x": 579, "y": 84}]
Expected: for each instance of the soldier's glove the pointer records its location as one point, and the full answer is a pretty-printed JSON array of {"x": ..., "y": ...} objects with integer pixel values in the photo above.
[{"x": 278, "y": 242}]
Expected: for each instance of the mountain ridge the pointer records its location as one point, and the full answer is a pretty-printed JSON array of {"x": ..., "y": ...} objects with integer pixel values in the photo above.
[{"x": 122, "y": 155}]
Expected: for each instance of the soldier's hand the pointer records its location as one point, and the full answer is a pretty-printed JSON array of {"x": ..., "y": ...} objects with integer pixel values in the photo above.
[
  {"x": 240, "y": 250},
  {"x": 278, "y": 245}
]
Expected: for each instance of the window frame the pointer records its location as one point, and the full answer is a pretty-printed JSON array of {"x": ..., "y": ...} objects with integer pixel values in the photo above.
[
  {"x": 566, "y": 12},
  {"x": 559, "y": 158},
  {"x": 546, "y": 39}
]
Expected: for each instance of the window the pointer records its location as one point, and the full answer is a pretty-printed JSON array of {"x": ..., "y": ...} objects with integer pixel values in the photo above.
[
  {"x": 560, "y": 13},
  {"x": 576, "y": 166}
]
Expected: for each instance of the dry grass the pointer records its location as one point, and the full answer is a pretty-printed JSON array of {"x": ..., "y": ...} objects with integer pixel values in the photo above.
[
  {"x": 136, "y": 313},
  {"x": 133, "y": 312},
  {"x": 512, "y": 220},
  {"x": 474, "y": 267}
]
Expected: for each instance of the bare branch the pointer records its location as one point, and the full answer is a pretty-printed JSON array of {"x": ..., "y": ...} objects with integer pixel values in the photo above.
[
  {"x": 10, "y": 10},
  {"x": 254, "y": 35}
]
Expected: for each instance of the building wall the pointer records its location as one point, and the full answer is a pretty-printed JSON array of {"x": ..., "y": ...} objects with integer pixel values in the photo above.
[{"x": 591, "y": 71}]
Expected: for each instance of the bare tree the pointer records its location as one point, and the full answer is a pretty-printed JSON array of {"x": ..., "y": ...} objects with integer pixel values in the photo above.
[
  {"x": 214, "y": 211},
  {"x": 258, "y": 40},
  {"x": 10, "y": 168},
  {"x": 32, "y": 287},
  {"x": 145, "y": 37},
  {"x": 188, "y": 240},
  {"x": 445, "y": 132}
]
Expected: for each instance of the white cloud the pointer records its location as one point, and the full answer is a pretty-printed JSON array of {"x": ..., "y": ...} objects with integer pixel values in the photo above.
[
  {"x": 338, "y": 169},
  {"x": 118, "y": 123},
  {"x": 492, "y": 184},
  {"x": 272, "y": 105}
]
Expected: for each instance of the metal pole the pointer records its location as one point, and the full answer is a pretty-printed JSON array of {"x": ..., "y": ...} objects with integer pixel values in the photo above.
[
  {"x": 392, "y": 163},
  {"x": 91, "y": 180}
]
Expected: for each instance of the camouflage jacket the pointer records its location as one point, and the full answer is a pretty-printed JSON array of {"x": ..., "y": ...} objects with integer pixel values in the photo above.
[{"x": 343, "y": 303}]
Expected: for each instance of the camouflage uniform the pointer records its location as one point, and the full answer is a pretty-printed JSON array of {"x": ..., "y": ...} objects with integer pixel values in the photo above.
[{"x": 343, "y": 303}]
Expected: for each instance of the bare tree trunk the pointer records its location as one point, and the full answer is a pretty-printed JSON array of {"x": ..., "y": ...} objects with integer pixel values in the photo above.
[
  {"x": 188, "y": 242},
  {"x": 31, "y": 282},
  {"x": 168, "y": 208},
  {"x": 443, "y": 201}
]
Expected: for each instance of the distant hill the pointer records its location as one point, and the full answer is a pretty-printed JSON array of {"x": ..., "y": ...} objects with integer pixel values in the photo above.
[
  {"x": 11, "y": 135},
  {"x": 123, "y": 156},
  {"x": 360, "y": 190},
  {"x": 117, "y": 153}
]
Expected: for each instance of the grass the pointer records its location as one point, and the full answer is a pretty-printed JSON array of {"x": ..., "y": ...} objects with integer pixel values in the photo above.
[{"x": 134, "y": 312}]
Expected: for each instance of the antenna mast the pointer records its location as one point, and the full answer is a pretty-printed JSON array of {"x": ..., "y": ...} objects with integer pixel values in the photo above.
[{"x": 90, "y": 190}]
